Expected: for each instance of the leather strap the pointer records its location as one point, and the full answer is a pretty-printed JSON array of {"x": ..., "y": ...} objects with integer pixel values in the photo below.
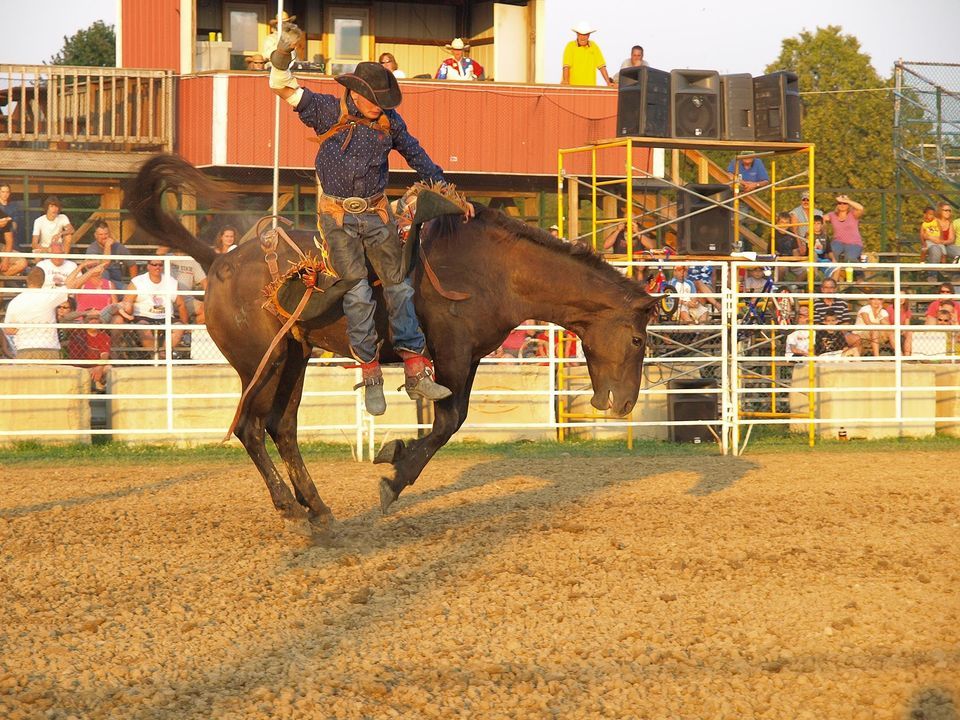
[
  {"x": 435, "y": 281},
  {"x": 266, "y": 358}
]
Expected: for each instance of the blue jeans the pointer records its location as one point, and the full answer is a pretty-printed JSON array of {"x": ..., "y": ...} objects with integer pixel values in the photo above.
[
  {"x": 846, "y": 252},
  {"x": 365, "y": 237}
]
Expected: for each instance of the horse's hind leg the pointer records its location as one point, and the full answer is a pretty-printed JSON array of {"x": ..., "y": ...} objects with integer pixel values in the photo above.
[
  {"x": 282, "y": 426},
  {"x": 251, "y": 432}
]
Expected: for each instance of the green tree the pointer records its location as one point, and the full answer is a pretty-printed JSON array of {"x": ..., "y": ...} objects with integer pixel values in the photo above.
[
  {"x": 94, "y": 47},
  {"x": 845, "y": 112}
]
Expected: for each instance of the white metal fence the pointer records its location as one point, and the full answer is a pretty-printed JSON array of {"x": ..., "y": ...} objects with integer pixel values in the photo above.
[{"x": 720, "y": 376}]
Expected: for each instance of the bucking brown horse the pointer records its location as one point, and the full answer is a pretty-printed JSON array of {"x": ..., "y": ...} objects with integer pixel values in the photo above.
[{"x": 509, "y": 271}]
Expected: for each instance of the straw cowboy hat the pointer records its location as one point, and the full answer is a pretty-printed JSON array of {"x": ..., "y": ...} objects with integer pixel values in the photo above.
[
  {"x": 583, "y": 28},
  {"x": 286, "y": 18},
  {"x": 457, "y": 44},
  {"x": 374, "y": 82}
]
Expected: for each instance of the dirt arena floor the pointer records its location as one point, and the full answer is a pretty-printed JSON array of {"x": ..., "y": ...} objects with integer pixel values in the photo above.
[{"x": 770, "y": 586}]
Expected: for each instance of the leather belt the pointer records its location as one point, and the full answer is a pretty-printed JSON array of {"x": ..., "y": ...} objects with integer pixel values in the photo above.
[{"x": 357, "y": 205}]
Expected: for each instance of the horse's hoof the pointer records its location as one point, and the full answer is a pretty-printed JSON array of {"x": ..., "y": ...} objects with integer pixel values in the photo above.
[
  {"x": 387, "y": 496},
  {"x": 322, "y": 525},
  {"x": 388, "y": 453},
  {"x": 299, "y": 526}
]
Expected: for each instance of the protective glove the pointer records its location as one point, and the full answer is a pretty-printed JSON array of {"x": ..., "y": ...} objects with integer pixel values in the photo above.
[{"x": 290, "y": 36}]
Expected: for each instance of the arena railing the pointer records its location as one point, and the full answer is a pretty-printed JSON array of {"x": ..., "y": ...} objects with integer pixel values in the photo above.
[{"x": 168, "y": 398}]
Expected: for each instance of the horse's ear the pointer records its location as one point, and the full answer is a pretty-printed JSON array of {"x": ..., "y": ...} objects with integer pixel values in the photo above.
[{"x": 647, "y": 308}]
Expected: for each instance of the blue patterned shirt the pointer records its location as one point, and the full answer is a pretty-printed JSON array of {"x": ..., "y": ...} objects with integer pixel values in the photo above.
[{"x": 361, "y": 170}]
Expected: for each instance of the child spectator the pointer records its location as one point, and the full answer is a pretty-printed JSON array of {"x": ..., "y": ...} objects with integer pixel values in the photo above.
[
  {"x": 833, "y": 342},
  {"x": 798, "y": 342},
  {"x": 933, "y": 308},
  {"x": 91, "y": 344},
  {"x": 51, "y": 225},
  {"x": 821, "y": 244},
  {"x": 929, "y": 231},
  {"x": 873, "y": 314},
  {"x": 695, "y": 312},
  {"x": 9, "y": 266}
]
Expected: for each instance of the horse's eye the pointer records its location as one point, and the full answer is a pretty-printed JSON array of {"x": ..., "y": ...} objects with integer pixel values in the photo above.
[{"x": 637, "y": 340}]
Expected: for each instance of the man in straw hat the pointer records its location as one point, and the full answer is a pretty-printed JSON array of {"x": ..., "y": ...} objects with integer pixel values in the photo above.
[
  {"x": 356, "y": 134},
  {"x": 582, "y": 58},
  {"x": 459, "y": 67},
  {"x": 260, "y": 61}
]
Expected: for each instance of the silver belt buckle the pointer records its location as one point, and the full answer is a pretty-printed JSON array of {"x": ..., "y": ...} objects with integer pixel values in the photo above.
[{"x": 355, "y": 205}]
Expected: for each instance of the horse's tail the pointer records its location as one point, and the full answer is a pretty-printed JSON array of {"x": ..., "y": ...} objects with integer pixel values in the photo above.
[{"x": 171, "y": 173}]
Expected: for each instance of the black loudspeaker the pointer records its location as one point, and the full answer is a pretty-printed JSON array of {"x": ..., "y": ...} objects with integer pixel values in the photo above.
[
  {"x": 736, "y": 102},
  {"x": 776, "y": 101},
  {"x": 692, "y": 406},
  {"x": 696, "y": 104},
  {"x": 643, "y": 103},
  {"x": 711, "y": 231}
]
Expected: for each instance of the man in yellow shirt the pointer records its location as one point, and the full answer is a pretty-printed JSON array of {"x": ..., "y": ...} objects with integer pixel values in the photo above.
[{"x": 582, "y": 58}]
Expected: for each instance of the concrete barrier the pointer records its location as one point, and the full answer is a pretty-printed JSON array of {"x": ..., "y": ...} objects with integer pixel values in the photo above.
[
  {"x": 41, "y": 415},
  {"x": 853, "y": 409},
  {"x": 948, "y": 401}
]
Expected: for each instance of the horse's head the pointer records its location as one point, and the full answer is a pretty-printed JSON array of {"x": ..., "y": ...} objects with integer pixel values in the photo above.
[{"x": 613, "y": 344}]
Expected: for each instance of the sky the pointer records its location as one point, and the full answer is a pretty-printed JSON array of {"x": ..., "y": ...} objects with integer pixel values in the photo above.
[{"x": 725, "y": 36}]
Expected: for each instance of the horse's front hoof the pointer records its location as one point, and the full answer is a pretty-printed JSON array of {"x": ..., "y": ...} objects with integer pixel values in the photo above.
[
  {"x": 387, "y": 496},
  {"x": 299, "y": 526},
  {"x": 389, "y": 453}
]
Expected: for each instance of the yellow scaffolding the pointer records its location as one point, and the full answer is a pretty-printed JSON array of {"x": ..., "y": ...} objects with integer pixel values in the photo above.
[{"x": 568, "y": 194}]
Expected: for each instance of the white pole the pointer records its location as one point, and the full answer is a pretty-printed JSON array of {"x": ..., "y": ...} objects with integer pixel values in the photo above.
[{"x": 276, "y": 129}]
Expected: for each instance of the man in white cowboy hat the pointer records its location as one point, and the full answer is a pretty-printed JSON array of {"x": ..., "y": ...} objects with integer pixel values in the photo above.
[
  {"x": 261, "y": 60},
  {"x": 582, "y": 58},
  {"x": 459, "y": 67},
  {"x": 356, "y": 134}
]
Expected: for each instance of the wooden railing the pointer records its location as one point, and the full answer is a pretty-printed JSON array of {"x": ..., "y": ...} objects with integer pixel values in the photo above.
[{"x": 91, "y": 108}]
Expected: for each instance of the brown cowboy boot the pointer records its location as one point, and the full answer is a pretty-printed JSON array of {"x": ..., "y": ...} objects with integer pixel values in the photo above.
[
  {"x": 372, "y": 385},
  {"x": 418, "y": 378}
]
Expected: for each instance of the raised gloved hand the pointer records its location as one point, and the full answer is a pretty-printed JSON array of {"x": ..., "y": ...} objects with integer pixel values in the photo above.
[{"x": 290, "y": 36}]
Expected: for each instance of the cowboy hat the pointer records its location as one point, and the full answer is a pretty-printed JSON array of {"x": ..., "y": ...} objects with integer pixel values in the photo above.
[
  {"x": 286, "y": 18},
  {"x": 583, "y": 28},
  {"x": 457, "y": 44},
  {"x": 375, "y": 83}
]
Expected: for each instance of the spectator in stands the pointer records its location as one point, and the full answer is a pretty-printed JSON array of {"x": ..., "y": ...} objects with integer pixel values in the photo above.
[
  {"x": 52, "y": 224},
  {"x": 12, "y": 219},
  {"x": 261, "y": 60},
  {"x": 104, "y": 301},
  {"x": 39, "y": 305},
  {"x": 702, "y": 277},
  {"x": 903, "y": 317},
  {"x": 459, "y": 67},
  {"x": 9, "y": 265},
  {"x": 786, "y": 242},
  {"x": 834, "y": 342},
  {"x": 755, "y": 280},
  {"x": 838, "y": 307},
  {"x": 847, "y": 244},
  {"x": 226, "y": 240},
  {"x": 695, "y": 312},
  {"x": 798, "y": 341},
  {"x": 582, "y": 59},
  {"x": 56, "y": 270},
  {"x": 150, "y": 298},
  {"x": 522, "y": 343},
  {"x": 635, "y": 60},
  {"x": 943, "y": 248},
  {"x": 91, "y": 344},
  {"x": 104, "y": 244},
  {"x": 752, "y": 173},
  {"x": 616, "y": 241},
  {"x": 555, "y": 231},
  {"x": 821, "y": 245},
  {"x": 930, "y": 317},
  {"x": 873, "y": 315},
  {"x": 929, "y": 231},
  {"x": 800, "y": 215},
  {"x": 189, "y": 276},
  {"x": 390, "y": 63}
]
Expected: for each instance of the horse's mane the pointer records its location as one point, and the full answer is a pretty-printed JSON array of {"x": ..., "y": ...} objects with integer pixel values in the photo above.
[{"x": 579, "y": 252}]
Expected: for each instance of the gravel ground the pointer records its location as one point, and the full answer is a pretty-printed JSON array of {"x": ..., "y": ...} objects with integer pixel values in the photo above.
[{"x": 773, "y": 586}]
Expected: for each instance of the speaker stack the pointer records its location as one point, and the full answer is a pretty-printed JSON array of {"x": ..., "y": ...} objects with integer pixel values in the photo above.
[
  {"x": 702, "y": 104},
  {"x": 643, "y": 102},
  {"x": 776, "y": 98},
  {"x": 709, "y": 232},
  {"x": 692, "y": 406},
  {"x": 696, "y": 104}
]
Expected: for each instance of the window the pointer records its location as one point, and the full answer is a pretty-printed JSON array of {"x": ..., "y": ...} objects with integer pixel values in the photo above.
[
  {"x": 244, "y": 25},
  {"x": 348, "y": 37}
]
